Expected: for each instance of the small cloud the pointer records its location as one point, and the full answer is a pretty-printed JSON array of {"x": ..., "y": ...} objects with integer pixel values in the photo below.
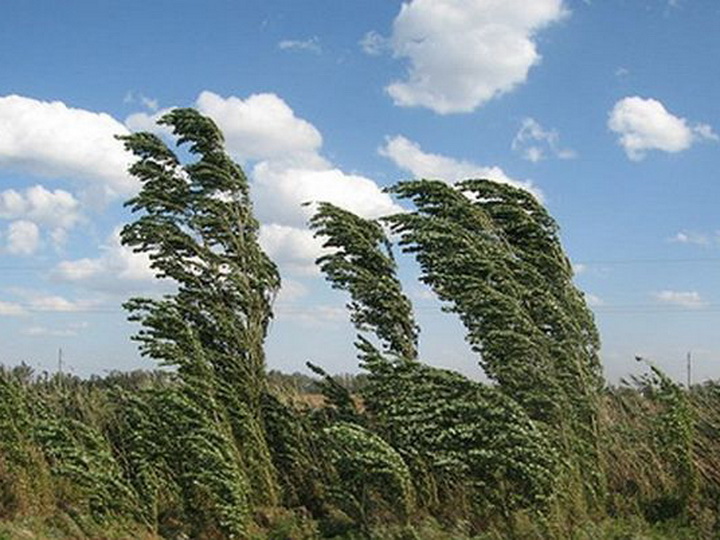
[
  {"x": 579, "y": 268},
  {"x": 594, "y": 300},
  {"x": 312, "y": 316},
  {"x": 308, "y": 45},
  {"x": 118, "y": 269},
  {"x": 374, "y": 44},
  {"x": 290, "y": 291},
  {"x": 686, "y": 299},
  {"x": 11, "y": 309},
  {"x": 293, "y": 248},
  {"x": 149, "y": 103},
  {"x": 622, "y": 72},
  {"x": 57, "y": 210},
  {"x": 70, "y": 330},
  {"x": 689, "y": 237},
  {"x": 23, "y": 238},
  {"x": 645, "y": 124},
  {"x": 55, "y": 303},
  {"x": 408, "y": 155},
  {"x": 535, "y": 143}
]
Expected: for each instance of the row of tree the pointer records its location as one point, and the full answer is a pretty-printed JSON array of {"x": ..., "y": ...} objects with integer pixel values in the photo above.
[{"x": 214, "y": 449}]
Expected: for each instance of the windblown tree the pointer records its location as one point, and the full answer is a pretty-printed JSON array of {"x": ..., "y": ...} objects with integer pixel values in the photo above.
[
  {"x": 361, "y": 262},
  {"x": 471, "y": 449},
  {"x": 196, "y": 223},
  {"x": 492, "y": 253}
]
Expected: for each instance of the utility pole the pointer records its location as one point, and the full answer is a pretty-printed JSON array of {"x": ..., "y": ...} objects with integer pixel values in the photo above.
[
  {"x": 689, "y": 370},
  {"x": 60, "y": 361}
]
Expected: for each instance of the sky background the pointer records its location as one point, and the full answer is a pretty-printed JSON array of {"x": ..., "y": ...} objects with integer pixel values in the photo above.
[{"x": 607, "y": 110}]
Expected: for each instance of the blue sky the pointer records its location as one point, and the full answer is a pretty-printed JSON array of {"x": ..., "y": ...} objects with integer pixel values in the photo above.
[{"x": 607, "y": 110}]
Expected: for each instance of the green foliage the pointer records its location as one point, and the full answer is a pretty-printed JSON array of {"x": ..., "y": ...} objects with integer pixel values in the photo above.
[
  {"x": 492, "y": 253},
  {"x": 650, "y": 445},
  {"x": 362, "y": 264},
  {"x": 195, "y": 221},
  {"x": 337, "y": 397},
  {"x": 374, "y": 478},
  {"x": 483, "y": 454}
]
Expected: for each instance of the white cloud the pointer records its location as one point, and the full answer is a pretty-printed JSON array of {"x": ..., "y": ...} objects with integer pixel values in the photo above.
[
  {"x": 149, "y": 103},
  {"x": 263, "y": 127},
  {"x": 58, "y": 210},
  {"x": 622, "y": 72},
  {"x": 42, "y": 331},
  {"x": 644, "y": 124},
  {"x": 594, "y": 300},
  {"x": 690, "y": 237},
  {"x": 374, "y": 44},
  {"x": 11, "y": 309},
  {"x": 464, "y": 53},
  {"x": 117, "y": 270},
  {"x": 142, "y": 121},
  {"x": 290, "y": 292},
  {"x": 408, "y": 155},
  {"x": 689, "y": 299},
  {"x": 312, "y": 316},
  {"x": 535, "y": 143},
  {"x": 310, "y": 45},
  {"x": 53, "y": 140},
  {"x": 281, "y": 192},
  {"x": 292, "y": 248},
  {"x": 36, "y": 301},
  {"x": 55, "y": 303},
  {"x": 23, "y": 237}
]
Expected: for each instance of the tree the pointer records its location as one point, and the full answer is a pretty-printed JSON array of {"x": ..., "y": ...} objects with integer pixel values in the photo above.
[
  {"x": 361, "y": 262},
  {"x": 195, "y": 222},
  {"x": 492, "y": 253}
]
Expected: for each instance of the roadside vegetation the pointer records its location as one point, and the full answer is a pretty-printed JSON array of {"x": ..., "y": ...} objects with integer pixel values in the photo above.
[{"x": 218, "y": 447}]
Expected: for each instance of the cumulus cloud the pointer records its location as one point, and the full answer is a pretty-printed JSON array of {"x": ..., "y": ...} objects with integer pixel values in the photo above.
[
  {"x": 645, "y": 124},
  {"x": 57, "y": 210},
  {"x": 117, "y": 270},
  {"x": 408, "y": 155},
  {"x": 263, "y": 127},
  {"x": 281, "y": 193},
  {"x": 594, "y": 300},
  {"x": 142, "y": 121},
  {"x": 535, "y": 143},
  {"x": 52, "y": 208},
  {"x": 462, "y": 54},
  {"x": 53, "y": 140},
  {"x": 685, "y": 299},
  {"x": 23, "y": 237},
  {"x": 293, "y": 248}
]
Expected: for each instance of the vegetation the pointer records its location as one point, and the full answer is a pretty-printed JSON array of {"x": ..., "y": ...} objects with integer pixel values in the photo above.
[{"x": 217, "y": 447}]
